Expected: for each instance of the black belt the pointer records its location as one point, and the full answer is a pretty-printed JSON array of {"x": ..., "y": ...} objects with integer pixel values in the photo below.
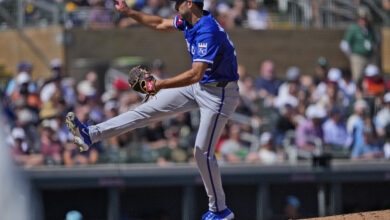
[{"x": 223, "y": 84}]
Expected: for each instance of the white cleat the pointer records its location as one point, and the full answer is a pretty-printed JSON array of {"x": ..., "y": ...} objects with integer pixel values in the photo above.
[{"x": 74, "y": 126}]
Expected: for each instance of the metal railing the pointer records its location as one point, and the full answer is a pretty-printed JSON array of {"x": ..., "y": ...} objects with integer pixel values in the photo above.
[
  {"x": 328, "y": 13},
  {"x": 290, "y": 14},
  {"x": 29, "y": 13},
  {"x": 89, "y": 17}
]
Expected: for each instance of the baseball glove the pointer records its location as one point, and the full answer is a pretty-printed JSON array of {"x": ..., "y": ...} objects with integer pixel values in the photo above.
[{"x": 142, "y": 81}]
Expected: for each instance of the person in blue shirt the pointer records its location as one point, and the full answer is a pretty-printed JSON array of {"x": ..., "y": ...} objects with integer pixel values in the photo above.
[
  {"x": 210, "y": 85},
  {"x": 266, "y": 83},
  {"x": 369, "y": 149}
]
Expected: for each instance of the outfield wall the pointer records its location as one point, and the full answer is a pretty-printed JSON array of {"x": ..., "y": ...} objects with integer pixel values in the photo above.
[
  {"x": 285, "y": 47},
  {"x": 15, "y": 48},
  {"x": 253, "y": 191}
]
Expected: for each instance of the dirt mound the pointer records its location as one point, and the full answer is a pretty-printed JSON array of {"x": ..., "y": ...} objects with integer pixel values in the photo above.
[{"x": 375, "y": 215}]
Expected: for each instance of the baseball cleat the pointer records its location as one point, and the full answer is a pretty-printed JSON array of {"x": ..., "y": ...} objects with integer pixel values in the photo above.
[
  {"x": 79, "y": 130},
  {"x": 222, "y": 215}
]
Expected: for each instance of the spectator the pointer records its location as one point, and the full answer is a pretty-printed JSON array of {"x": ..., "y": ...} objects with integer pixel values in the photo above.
[
  {"x": 293, "y": 74},
  {"x": 369, "y": 149},
  {"x": 51, "y": 89},
  {"x": 359, "y": 42},
  {"x": 183, "y": 122},
  {"x": 331, "y": 98},
  {"x": 286, "y": 122},
  {"x": 232, "y": 150},
  {"x": 211, "y": 6},
  {"x": 31, "y": 13},
  {"x": 288, "y": 91},
  {"x": 310, "y": 131},
  {"x": 12, "y": 86},
  {"x": 50, "y": 145},
  {"x": 267, "y": 84},
  {"x": 292, "y": 207},
  {"x": 355, "y": 122},
  {"x": 333, "y": 95},
  {"x": 333, "y": 77},
  {"x": 128, "y": 100},
  {"x": 71, "y": 9},
  {"x": 238, "y": 12},
  {"x": 27, "y": 119},
  {"x": 321, "y": 70},
  {"x": 224, "y": 16},
  {"x": 22, "y": 152},
  {"x": 154, "y": 135},
  {"x": 88, "y": 96},
  {"x": 82, "y": 3},
  {"x": 347, "y": 85},
  {"x": 257, "y": 18},
  {"x": 64, "y": 84},
  {"x": 248, "y": 90},
  {"x": 58, "y": 87},
  {"x": 386, "y": 7},
  {"x": 48, "y": 111},
  {"x": 223, "y": 138},
  {"x": 382, "y": 118},
  {"x": 72, "y": 156},
  {"x": 360, "y": 111},
  {"x": 21, "y": 87},
  {"x": 172, "y": 152},
  {"x": 74, "y": 215},
  {"x": 268, "y": 152},
  {"x": 335, "y": 131},
  {"x": 119, "y": 85},
  {"x": 244, "y": 106},
  {"x": 111, "y": 147},
  {"x": 386, "y": 146},
  {"x": 100, "y": 17},
  {"x": 87, "y": 88},
  {"x": 373, "y": 83},
  {"x": 158, "y": 7}
]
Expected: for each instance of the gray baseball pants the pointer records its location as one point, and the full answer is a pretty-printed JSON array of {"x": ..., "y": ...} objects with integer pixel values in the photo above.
[{"x": 216, "y": 105}]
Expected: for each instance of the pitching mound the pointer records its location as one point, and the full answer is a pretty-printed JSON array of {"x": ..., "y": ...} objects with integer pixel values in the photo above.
[{"x": 375, "y": 215}]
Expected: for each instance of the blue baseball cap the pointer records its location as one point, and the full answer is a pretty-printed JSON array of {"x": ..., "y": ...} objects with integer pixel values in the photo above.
[
  {"x": 74, "y": 215},
  {"x": 24, "y": 66}
]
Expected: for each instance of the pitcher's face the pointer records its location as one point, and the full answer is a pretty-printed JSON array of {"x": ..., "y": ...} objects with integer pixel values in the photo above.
[{"x": 183, "y": 9}]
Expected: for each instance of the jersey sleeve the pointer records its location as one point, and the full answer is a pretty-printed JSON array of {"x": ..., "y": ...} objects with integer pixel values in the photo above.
[
  {"x": 178, "y": 23},
  {"x": 207, "y": 46}
]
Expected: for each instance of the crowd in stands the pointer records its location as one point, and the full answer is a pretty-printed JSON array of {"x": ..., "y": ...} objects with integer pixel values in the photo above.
[
  {"x": 253, "y": 14},
  {"x": 343, "y": 112},
  {"x": 324, "y": 111},
  {"x": 100, "y": 14}
]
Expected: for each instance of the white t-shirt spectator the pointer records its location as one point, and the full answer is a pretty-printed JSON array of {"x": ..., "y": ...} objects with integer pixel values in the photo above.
[
  {"x": 268, "y": 157},
  {"x": 382, "y": 118}
]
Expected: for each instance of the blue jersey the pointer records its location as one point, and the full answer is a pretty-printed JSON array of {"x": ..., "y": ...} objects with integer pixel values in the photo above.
[{"x": 207, "y": 42}]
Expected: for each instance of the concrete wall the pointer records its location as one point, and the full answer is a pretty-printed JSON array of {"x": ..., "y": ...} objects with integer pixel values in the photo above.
[
  {"x": 285, "y": 47},
  {"x": 385, "y": 50},
  {"x": 13, "y": 49}
]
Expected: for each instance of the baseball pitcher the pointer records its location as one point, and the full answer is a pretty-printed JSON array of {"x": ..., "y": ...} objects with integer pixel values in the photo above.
[{"x": 210, "y": 86}]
